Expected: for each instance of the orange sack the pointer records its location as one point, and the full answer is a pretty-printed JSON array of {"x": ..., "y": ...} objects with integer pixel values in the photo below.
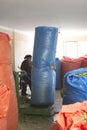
[
  {"x": 73, "y": 117},
  {"x": 6, "y": 77},
  {"x": 4, "y": 105}
]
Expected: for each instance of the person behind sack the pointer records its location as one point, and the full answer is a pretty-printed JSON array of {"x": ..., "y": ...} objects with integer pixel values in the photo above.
[{"x": 25, "y": 79}]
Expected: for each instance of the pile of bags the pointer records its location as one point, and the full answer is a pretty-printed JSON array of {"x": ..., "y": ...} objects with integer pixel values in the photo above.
[
  {"x": 72, "y": 117},
  {"x": 68, "y": 64}
]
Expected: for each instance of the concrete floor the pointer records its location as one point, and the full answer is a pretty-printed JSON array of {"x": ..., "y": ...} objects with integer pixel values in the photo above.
[{"x": 41, "y": 122}]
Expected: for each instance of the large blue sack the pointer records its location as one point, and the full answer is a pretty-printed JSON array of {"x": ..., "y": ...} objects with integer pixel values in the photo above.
[
  {"x": 43, "y": 77},
  {"x": 45, "y": 46},
  {"x": 43, "y": 86},
  {"x": 75, "y": 86}
]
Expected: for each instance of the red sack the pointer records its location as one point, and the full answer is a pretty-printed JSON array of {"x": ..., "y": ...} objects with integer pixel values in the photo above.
[
  {"x": 4, "y": 105},
  {"x": 73, "y": 117},
  {"x": 84, "y": 61},
  {"x": 4, "y": 100},
  {"x": 6, "y": 76},
  {"x": 68, "y": 64}
]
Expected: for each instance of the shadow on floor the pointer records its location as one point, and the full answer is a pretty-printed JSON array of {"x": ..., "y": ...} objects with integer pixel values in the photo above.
[{"x": 41, "y": 121}]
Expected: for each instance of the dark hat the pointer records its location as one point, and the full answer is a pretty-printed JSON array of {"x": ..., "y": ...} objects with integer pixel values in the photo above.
[{"x": 27, "y": 56}]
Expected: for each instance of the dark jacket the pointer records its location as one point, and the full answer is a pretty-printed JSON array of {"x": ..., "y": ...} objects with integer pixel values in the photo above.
[{"x": 26, "y": 66}]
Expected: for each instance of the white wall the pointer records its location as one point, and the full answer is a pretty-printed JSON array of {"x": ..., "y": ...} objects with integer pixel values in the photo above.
[{"x": 23, "y": 45}]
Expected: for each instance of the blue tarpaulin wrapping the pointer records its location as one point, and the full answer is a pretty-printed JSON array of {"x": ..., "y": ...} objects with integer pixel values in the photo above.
[
  {"x": 58, "y": 73},
  {"x": 43, "y": 78},
  {"x": 75, "y": 86},
  {"x": 45, "y": 46},
  {"x": 43, "y": 89}
]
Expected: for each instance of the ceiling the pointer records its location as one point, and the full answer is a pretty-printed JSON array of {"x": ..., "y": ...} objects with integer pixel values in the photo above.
[{"x": 25, "y": 15}]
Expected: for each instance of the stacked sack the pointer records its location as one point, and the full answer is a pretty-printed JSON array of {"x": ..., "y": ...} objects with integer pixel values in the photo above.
[
  {"x": 68, "y": 64},
  {"x": 43, "y": 74},
  {"x": 71, "y": 117}
]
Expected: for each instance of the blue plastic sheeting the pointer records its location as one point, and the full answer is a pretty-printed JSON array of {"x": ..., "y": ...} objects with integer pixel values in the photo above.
[
  {"x": 43, "y": 90},
  {"x": 43, "y": 78},
  {"x": 58, "y": 73},
  {"x": 45, "y": 46},
  {"x": 75, "y": 86}
]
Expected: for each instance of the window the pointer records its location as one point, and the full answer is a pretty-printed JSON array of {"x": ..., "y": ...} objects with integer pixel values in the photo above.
[{"x": 73, "y": 49}]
